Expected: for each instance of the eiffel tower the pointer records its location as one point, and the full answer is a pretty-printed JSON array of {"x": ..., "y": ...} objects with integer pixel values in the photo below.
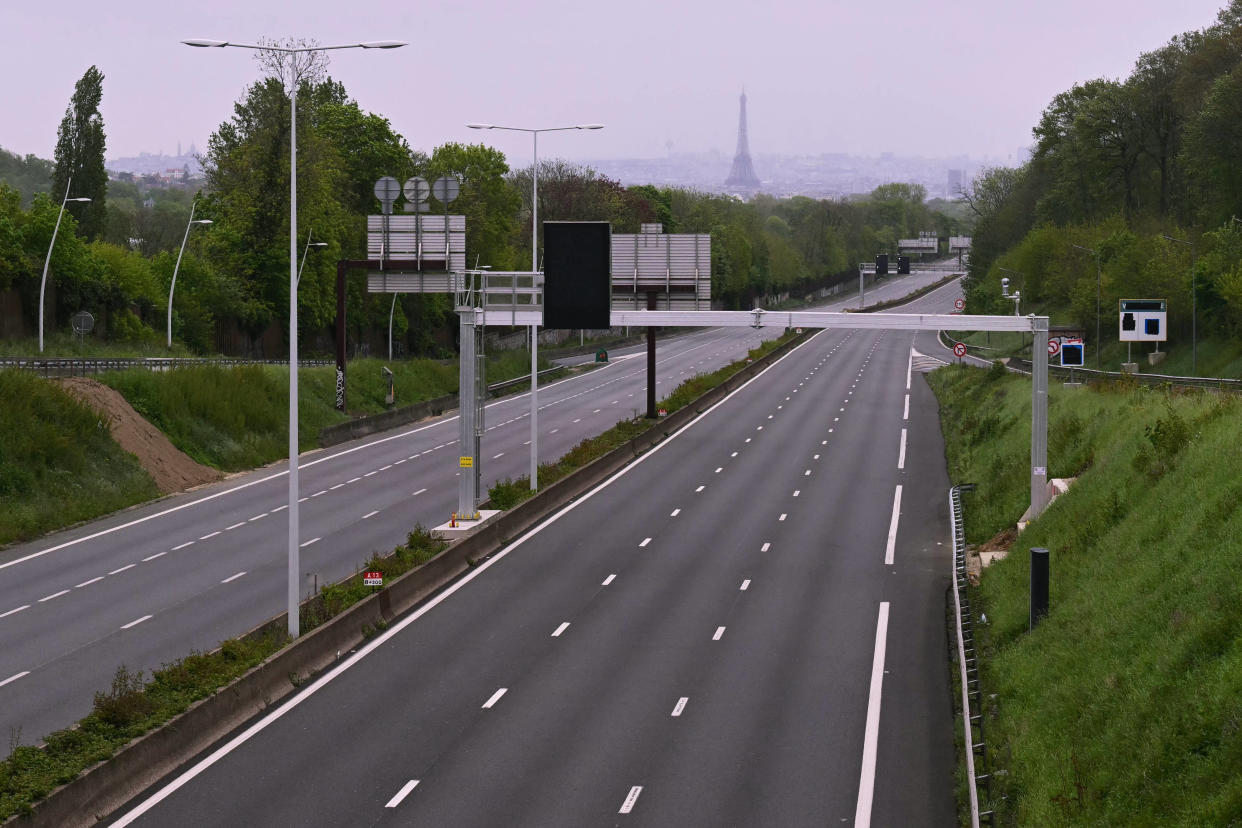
[{"x": 743, "y": 173}]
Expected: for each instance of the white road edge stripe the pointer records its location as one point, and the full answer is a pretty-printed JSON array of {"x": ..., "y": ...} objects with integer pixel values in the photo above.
[
  {"x": 892, "y": 527},
  {"x": 14, "y": 611},
  {"x": 630, "y": 799},
  {"x": 263, "y": 723},
  {"x": 866, "y": 783},
  {"x": 609, "y": 579},
  {"x": 681, "y": 705},
  {"x": 901, "y": 454},
  {"x": 135, "y": 622},
  {"x": 14, "y": 677},
  {"x": 718, "y": 634},
  {"x": 905, "y": 414},
  {"x": 745, "y": 585},
  {"x": 308, "y": 543},
  {"x": 233, "y": 577},
  {"x": 495, "y": 698},
  {"x": 557, "y": 632},
  {"x": 370, "y": 514},
  {"x": 153, "y": 557},
  {"x": 402, "y": 794},
  {"x": 94, "y": 580}
]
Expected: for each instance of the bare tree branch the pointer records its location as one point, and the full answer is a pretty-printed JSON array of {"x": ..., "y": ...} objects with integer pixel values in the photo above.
[{"x": 292, "y": 68}]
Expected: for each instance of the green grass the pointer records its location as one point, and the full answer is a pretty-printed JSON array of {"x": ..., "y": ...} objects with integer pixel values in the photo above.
[
  {"x": 132, "y": 707},
  {"x": 235, "y": 418},
  {"x": 64, "y": 345},
  {"x": 509, "y": 492},
  {"x": 1125, "y": 706},
  {"x": 58, "y": 462}
]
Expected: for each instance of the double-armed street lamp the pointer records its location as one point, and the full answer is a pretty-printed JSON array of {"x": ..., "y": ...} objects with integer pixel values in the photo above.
[
  {"x": 1095, "y": 253},
  {"x": 534, "y": 267},
  {"x": 1194, "y": 307},
  {"x": 177, "y": 266},
  {"x": 48, "y": 259},
  {"x": 294, "y": 578}
]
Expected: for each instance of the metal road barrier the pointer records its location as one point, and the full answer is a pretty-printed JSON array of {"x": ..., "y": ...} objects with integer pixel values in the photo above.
[
  {"x": 968, "y": 666},
  {"x": 81, "y": 367}
]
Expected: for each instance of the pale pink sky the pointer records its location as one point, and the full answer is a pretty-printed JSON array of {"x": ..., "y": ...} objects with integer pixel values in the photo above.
[{"x": 915, "y": 78}]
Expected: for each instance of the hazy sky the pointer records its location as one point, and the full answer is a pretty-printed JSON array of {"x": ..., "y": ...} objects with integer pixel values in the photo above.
[{"x": 863, "y": 77}]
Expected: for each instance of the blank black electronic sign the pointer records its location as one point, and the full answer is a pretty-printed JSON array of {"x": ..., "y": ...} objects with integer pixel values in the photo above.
[{"x": 577, "y": 264}]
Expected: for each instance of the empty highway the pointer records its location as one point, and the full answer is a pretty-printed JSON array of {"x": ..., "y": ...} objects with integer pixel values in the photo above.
[{"x": 745, "y": 627}]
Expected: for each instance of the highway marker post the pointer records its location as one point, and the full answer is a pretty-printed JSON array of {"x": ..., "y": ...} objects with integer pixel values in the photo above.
[{"x": 1039, "y": 585}]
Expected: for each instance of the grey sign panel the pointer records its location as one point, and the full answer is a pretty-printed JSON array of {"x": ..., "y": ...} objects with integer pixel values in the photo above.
[
  {"x": 920, "y": 244},
  {"x": 959, "y": 242},
  {"x": 678, "y": 266},
  {"x": 418, "y": 242},
  {"x": 397, "y": 282}
]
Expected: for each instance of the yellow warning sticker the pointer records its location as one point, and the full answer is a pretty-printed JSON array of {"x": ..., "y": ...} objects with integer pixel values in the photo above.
[{"x": 466, "y": 462}]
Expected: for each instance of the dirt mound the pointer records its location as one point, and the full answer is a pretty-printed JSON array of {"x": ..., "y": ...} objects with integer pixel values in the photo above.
[{"x": 172, "y": 469}]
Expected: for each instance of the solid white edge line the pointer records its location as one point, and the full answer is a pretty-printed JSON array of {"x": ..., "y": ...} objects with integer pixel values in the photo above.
[
  {"x": 901, "y": 454},
  {"x": 495, "y": 698},
  {"x": 630, "y": 799},
  {"x": 402, "y": 794},
  {"x": 892, "y": 527},
  {"x": 866, "y": 783},
  {"x": 135, "y": 622},
  {"x": 249, "y": 733},
  {"x": 14, "y": 677}
]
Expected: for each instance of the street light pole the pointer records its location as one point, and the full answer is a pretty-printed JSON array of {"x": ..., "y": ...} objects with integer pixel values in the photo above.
[
  {"x": 48, "y": 259},
  {"x": 534, "y": 267},
  {"x": 294, "y": 547},
  {"x": 1095, "y": 253},
  {"x": 177, "y": 266},
  {"x": 1194, "y": 307}
]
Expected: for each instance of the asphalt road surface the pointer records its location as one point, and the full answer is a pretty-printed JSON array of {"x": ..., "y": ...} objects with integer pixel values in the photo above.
[
  {"x": 148, "y": 585},
  {"x": 744, "y": 627}
]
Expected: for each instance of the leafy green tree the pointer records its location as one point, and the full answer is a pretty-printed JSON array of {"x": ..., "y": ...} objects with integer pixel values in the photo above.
[
  {"x": 80, "y": 145},
  {"x": 27, "y": 175}
]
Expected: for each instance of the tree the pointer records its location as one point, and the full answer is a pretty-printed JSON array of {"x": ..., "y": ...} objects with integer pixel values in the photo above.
[{"x": 80, "y": 145}]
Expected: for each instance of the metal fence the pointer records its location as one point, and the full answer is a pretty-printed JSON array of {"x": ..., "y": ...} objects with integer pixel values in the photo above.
[
  {"x": 82, "y": 367},
  {"x": 968, "y": 669}
]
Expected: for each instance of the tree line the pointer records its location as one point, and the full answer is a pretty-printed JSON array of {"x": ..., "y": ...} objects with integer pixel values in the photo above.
[
  {"x": 1142, "y": 171},
  {"x": 117, "y": 254}
]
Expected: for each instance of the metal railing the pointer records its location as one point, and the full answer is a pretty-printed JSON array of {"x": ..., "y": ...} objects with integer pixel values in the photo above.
[
  {"x": 968, "y": 666},
  {"x": 85, "y": 366}
]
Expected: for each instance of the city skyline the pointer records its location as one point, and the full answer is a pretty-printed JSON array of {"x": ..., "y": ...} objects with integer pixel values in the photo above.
[{"x": 820, "y": 77}]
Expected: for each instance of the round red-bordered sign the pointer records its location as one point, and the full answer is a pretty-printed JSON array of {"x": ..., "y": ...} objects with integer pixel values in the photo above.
[
  {"x": 959, "y": 349},
  {"x": 1054, "y": 347},
  {"x": 959, "y": 303}
]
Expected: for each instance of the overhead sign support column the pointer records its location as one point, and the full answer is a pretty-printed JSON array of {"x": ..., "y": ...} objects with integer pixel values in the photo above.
[{"x": 1039, "y": 415}]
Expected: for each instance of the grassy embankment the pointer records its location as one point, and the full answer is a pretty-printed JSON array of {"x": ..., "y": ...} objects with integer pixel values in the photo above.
[
  {"x": 1125, "y": 706},
  {"x": 58, "y": 462},
  {"x": 237, "y": 418}
]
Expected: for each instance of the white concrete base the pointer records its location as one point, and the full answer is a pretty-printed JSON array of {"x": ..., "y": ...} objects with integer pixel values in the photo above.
[
  {"x": 1057, "y": 486},
  {"x": 448, "y": 531},
  {"x": 1129, "y": 368}
]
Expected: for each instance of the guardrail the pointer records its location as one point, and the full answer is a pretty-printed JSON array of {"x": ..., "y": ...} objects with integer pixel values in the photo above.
[
  {"x": 81, "y": 367},
  {"x": 522, "y": 380},
  {"x": 968, "y": 666}
]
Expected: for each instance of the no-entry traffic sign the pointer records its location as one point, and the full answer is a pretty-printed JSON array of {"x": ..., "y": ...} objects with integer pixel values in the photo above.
[
  {"x": 1054, "y": 347},
  {"x": 959, "y": 349}
]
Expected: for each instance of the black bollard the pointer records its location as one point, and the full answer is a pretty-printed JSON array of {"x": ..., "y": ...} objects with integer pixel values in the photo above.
[{"x": 1039, "y": 584}]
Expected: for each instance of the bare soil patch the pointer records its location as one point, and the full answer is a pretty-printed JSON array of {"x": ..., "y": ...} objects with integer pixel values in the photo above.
[{"x": 172, "y": 469}]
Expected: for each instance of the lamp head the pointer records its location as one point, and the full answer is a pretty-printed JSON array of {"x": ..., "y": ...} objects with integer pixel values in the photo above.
[
  {"x": 202, "y": 43},
  {"x": 590, "y": 126},
  {"x": 201, "y": 221},
  {"x": 318, "y": 244},
  {"x": 83, "y": 199},
  {"x": 480, "y": 126},
  {"x": 383, "y": 44}
]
